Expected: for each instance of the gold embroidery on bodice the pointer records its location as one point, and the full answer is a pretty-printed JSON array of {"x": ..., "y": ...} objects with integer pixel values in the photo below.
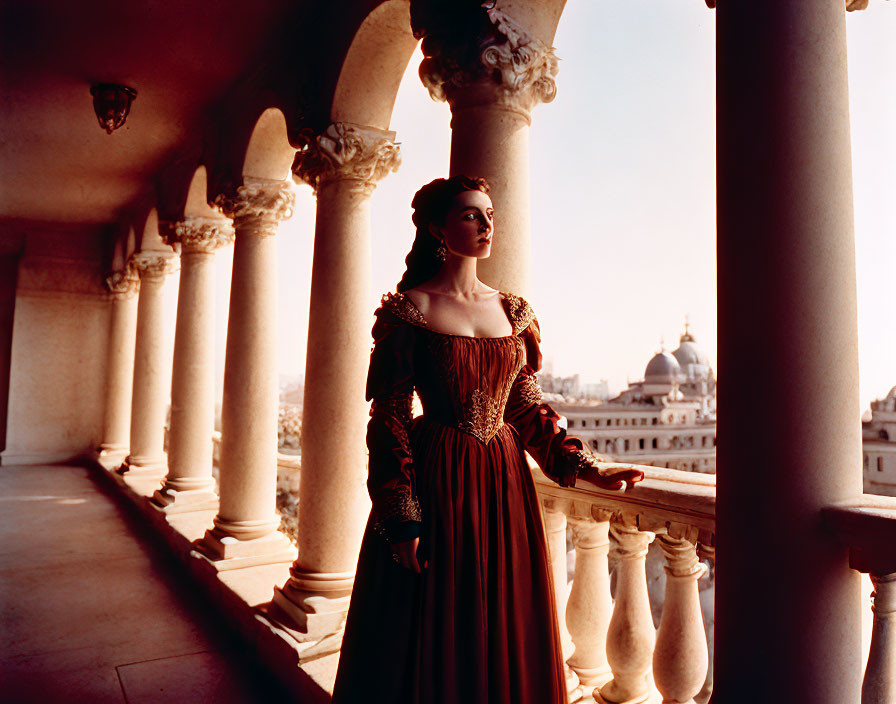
[
  {"x": 478, "y": 412},
  {"x": 404, "y": 308}
]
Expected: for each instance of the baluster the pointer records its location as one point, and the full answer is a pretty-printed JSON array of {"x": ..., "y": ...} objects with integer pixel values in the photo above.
[
  {"x": 879, "y": 686},
  {"x": 631, "y": 635},
  {"x": 555, "y": 527},
  {"x": 590, "y": 605},
  {"x": 681, "y": 658}
]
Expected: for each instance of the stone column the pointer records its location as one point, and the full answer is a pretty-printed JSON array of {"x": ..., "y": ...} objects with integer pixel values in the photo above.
[
  {"x": 492, "y": 77},
  {"x": 590, "y": 604},
  {"x": 152, "y": 370},
  {"x": 189, "y": 485},
  {"x": 123, "y": 287},
  {"x": 787, "y": 332},
  {"x": 631, "y": 635},
  {"x": 245, "y": 529},
  {"x": 680, "y": 657},
  {"x": 343, "y": 166}
]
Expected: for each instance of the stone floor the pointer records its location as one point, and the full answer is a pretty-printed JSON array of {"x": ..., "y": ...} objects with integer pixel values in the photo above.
[{"x": 93, "y": 610}]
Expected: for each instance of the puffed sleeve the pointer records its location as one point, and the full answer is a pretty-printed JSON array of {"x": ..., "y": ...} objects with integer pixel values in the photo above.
[
  {"x": 560, "y": 456},
  {"x": 390, "y": 385}
]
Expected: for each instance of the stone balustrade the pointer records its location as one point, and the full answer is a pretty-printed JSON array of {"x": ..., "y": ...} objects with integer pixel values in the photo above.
[
  {"x": 610, "y": 641},
  {"x": 868, "y": 528},
  {"x": 616, "y": 650}
]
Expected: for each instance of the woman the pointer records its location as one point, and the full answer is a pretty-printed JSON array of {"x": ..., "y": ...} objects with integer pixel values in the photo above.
[{"x": 453, "y": 600}]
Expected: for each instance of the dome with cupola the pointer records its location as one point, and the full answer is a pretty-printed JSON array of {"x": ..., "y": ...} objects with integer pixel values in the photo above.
[{"x": 691, "y": 359}]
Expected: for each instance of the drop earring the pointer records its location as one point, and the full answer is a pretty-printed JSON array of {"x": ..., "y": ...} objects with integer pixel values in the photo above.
[{"x": 441, "y": 251}]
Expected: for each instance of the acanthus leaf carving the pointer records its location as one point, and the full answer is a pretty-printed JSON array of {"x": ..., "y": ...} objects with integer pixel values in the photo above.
[
  {"x": 198, "y": 234},
  {"x": 150, "y": 264},
  {"x": 519, "y": 66},
  {"x": 345, "y": 151},
  {"x": 259, "y": 205},
  {"x": 124, "y": 283}
]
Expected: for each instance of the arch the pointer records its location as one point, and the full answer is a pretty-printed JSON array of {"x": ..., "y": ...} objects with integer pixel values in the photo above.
[
  {"x": 269, "y": 155},
  {"x": 252, "y": 141},
  {"x": 149, "y": 239},
  {"x": 196, "y": 203},
  {"x": 374, "y": 65}
]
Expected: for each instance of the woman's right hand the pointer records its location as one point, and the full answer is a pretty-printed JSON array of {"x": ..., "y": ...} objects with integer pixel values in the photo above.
[{"x": 407, "y": 555}]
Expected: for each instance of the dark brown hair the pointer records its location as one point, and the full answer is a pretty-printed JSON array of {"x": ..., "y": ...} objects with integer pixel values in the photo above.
[{"x": 431, "y": 204}]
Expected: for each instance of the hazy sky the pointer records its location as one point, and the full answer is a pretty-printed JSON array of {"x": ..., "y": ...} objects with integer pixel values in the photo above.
[{"x": 623, "y": 193}]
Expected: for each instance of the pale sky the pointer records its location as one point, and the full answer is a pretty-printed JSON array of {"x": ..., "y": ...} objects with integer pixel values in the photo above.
[{"x": 623, "y": 193}]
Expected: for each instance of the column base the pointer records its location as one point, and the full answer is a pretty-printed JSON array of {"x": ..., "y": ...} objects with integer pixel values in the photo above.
[
  {"x": 111, "y": 456},
  {"x": 317, "y": 603},
  {"x": 144, "y": 467},
  {"x": 224, "y": 552},
  {"x": 171, "y": 501}
]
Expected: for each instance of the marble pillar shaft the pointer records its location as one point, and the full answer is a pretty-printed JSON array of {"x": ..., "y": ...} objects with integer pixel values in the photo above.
[
  {"x": 787, "y": 332},
  {"x": 490, "y": 140},
  {"x": 333, "y": 438},
  {"x": 193, "y": 378},
  {"x": 248, "y": 464},
  {"x": 152, "y": 369},
  {"x": 120, "y": 373}
]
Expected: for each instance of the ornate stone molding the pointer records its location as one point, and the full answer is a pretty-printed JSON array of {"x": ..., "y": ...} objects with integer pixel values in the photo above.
[
  {"x": 124, "y": 283},
  {"x": 259, "y": 205},
  {"x": 346, "y": 151},
  {"x": 154, "y": 265},
  {"x": 198, "y": 234},
  {"x": 519, "y": 66}
]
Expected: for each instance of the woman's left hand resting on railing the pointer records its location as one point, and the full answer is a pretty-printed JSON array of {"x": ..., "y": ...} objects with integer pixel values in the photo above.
[{"x": 618, "y": 481}]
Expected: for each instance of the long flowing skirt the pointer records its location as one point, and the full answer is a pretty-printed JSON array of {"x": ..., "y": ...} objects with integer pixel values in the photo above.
[{"x": 478, "y": 625}]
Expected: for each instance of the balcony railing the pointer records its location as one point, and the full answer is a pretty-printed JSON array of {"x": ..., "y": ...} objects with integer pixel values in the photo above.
[{"x": 610, "y": 642}]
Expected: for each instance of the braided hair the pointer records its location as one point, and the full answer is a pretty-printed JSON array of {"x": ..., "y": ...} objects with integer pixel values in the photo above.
[{"x": 431, "y": 204}]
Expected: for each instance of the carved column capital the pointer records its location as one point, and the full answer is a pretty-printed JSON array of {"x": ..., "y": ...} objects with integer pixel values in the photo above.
[
  {"x": 198, "y": 234},
  {"x": 345, "y": 151},
  {"x": 259, "y": 205},
  {"x": 496, "y": 57},
  {"x": 153, "y": 265},
  {"x": 124, "y": 283}
]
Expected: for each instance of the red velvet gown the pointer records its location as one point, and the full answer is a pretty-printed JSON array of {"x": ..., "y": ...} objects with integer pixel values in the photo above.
[{"x": 477, "y": 626}]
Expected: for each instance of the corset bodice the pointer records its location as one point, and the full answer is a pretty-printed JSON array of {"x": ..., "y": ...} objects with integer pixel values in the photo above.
[{"x": 464, "y": 382}]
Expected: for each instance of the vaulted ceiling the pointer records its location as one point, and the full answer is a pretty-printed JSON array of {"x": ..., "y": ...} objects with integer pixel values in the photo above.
[{"x": 202, "y": 71}]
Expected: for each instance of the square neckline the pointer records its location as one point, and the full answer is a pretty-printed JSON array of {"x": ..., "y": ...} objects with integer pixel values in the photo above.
[{"x": 425, "y": 324}]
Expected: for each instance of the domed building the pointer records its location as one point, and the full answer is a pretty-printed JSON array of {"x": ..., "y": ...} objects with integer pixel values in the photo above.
[
  {"x": 666, "y": 420},
  {"x": 692, "y": 360},
  {"x": 662, "y": 375}
]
